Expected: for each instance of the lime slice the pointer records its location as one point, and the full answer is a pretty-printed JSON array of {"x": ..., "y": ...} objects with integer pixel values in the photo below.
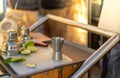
[
  {"x": 25, "y": 52},
  {"x": 32, "y": 48},
  {"x": 8, "y": 60},
  {"x": 16, "y": 60},
  {"x": 31, "y": 65},
  {"x": 29, "y": 43}
]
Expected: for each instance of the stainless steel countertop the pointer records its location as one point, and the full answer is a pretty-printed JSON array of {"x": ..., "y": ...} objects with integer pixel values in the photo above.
[{"x": 76, "y": 52}]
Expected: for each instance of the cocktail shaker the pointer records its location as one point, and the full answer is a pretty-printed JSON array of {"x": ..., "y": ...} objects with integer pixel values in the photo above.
[
  {"x": 57, "y": 43},
  {"x": 25, "y": 34},
  {"x": 12, "y": 47}
]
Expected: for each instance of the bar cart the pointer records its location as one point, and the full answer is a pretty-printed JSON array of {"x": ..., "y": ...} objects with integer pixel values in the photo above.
[{"x": 72, "y": 53}]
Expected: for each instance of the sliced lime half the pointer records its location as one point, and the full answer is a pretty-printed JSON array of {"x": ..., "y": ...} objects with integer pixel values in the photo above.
[
  {"x": 29, "y": 43},
  {"x": 31, "y": 65},
  {"x": 25, "y": 52},
  {"x": 32, "y": 48},
  {"x": 17, "y": 60}
]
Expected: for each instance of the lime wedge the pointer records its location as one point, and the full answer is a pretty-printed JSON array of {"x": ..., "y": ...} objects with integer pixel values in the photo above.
[
  {"x": 31, "y": 65},
  {"x": 8, "y": 60},
  {"x": 29, "y": 43},
  {"x": 32, "y": 48},
  {"x": 15, "y": 60},
  {"x": 25, "y": 52}
]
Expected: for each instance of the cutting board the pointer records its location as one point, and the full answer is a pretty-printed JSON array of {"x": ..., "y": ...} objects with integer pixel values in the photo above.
[{"x": 43, "y": 59}]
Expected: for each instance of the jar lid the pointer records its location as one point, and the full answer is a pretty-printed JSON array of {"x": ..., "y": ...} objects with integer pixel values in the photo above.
[{"x": 12, "y": 35}]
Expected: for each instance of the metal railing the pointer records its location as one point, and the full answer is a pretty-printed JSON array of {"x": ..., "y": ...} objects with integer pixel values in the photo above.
[{"x": 99, "y": 53}]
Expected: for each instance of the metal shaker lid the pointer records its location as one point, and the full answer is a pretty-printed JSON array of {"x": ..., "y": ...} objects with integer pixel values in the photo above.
[
  {"x": 12, "y": 35},
  {"x": 25, "y": 31}
]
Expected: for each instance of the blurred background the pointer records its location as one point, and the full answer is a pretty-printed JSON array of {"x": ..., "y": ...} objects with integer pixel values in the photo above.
[{"x": 82, "y": 11}]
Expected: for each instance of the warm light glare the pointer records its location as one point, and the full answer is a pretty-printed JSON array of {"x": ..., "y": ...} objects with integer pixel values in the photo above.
[
  {"x": 8, "y": 9},
  {"x": 80, "y": 16},
  {"x": 80, "y": 11},
  {"x": 96, "y": 2},
  {"x": 1, "y": 6}
]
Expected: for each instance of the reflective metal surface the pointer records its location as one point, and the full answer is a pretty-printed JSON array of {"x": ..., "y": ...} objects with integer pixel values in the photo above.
[
  {"x": 57, "y": 43},
  {"x": 25, "y": 35},
  {"x": 3, "y": 73},
  {"x": 90, "y": 28},
  {"x": 12, "y": 47},
  {"x": 40, "y": 21},
  {"x": 12, "y": 36},
  {"x": 113, "y": 39},
  {"x": 96, "y": 56}
]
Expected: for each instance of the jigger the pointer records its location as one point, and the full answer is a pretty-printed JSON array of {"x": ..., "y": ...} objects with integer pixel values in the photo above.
[{"x": 57, "y": 43}]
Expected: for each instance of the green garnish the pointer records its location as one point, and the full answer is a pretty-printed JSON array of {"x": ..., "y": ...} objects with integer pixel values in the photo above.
[
  {"x": 25, "y": 52},
  {"x": 15, "y": 60},
  {"x": 29, "y": 43},
  {"x": 8, "y": 60},
  {"x": 29, "y": 47},
  {"x": 31, "y": 65},
  {"x": 32, "y": 48}
]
